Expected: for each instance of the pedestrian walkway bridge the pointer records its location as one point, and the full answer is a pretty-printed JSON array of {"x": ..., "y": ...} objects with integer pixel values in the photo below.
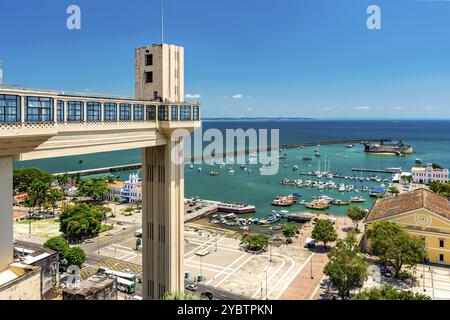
[{"x": 40, "y": 124}]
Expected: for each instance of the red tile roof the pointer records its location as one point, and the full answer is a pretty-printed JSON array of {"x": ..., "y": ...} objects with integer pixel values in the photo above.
[{"x": 409, "y": 201}]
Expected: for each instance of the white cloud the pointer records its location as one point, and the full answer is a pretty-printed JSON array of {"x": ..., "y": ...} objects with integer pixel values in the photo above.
[
  {"x": 250, "y": 109},
  {"x": 237, "y": 96},
  {"x": 328, "y": 108},
  {"x": 193, "y": 96},
  {"x": 363, "y": 108},
  {"x": 397, "y": 108}
]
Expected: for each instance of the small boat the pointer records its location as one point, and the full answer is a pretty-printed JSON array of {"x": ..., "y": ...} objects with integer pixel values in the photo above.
[
  {"x": 191, "y": 166},
  {"x": 357, "y": 199},
  {"x": 285, "y": 165},
  {"x": 214, "y": 173},
  {"x": 317, "y": 153},
  {"x": 341, "y": 187},
  {"x": 230, "y": 171},
  {"x": 242, "y": 166},
  {"x": 295, "y": 168},
  {"x": 418, "y": 160},
  {"x": 199, "y": 169},
  {"x": 340, "y": 202},
  {"x": 319, "y": 204},
  {"x": 307, "y": 159},
  {"x": 349, "y": 145}
]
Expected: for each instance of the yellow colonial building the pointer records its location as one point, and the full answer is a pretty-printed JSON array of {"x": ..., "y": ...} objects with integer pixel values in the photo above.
[{"x": 422, "y": 213}]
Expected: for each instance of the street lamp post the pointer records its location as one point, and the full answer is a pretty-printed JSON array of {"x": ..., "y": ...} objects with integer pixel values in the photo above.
[
  {"x": 98, "y": 245},
  {"x": 270, "y": 251},
  {"x": 215, "y": 250},
  {"x": 267, "y": 283},
  {"x": 312, "y": 277}
]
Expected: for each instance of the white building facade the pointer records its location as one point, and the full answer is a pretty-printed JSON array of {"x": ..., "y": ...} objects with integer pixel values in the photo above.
[
  {"x": 132, "y": 189},
  {"x": 428, "y": 174}
]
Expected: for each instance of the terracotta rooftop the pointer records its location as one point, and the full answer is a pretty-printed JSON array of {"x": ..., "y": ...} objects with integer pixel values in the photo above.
[
  {"x": 409, "y": 201},
  {"x": 116, "y": 184}
]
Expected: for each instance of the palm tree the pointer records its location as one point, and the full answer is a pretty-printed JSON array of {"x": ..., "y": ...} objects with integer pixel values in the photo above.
[{"x": 394, "y": 191}]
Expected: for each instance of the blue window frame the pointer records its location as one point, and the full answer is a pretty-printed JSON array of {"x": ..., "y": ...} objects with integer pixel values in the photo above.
[
  {"x": 125, "y": 111},
  {"x": 93, "y": 110},
  {"x": 60, "y": 111},
  {"x": 39, "y": 109},
  {"x": 75, "y": 111},
  {"x": 151, "y": 113},
  {"x": 163, "y": 113},
  {"x": 185, "y": 113},
  {"x": 174, "y": 113},
  {"x": 110, "y": 111},
  {"x": 138, "y": 112},
  {"x": 9, "y": 108},
  {"x": 195, "y": 113}
]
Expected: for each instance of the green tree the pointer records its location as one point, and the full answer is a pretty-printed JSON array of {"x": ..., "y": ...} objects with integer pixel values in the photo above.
[
  {"x": 394, "y": 246},
  {"x": 255, "y": 242},
  {"x": 440, "y": 188},
  {"x": 23, "y": 178},
  {"x": 53, "y": 196},
  {"x": 356, "y": 214},
  {"x": 324, "y": 231},
  {"x": 58, "y": 244},
  {"x": 38, "y": 194},
  {"x": 94, "y": 188},
  {"x": 407, "y": 179},
  {"x": 387, "y": 292},
  {"x": 75, "y": 256},
  {"x": 290, "y": 230},
  {"x": 346, "y": 268},
  {"x": 80, "y": 221},
  {"x": 394, "y": 191}
]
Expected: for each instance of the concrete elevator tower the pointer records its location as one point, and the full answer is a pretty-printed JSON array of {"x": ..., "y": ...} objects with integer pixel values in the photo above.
[{"x": 159, "y": 76}]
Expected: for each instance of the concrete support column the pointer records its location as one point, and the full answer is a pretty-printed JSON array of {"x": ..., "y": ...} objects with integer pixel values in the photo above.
[
  {"x": 6, "y": 222},
  {"x": 163, "y": 220}
]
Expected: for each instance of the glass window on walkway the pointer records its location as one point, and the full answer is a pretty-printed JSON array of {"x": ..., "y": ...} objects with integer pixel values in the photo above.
[
  {"x": 151, "y": 113},
  {"x": 163, "y": 113},
  {"x": 39, "y": 109},
  {"x": 195, "y": 113},
  {"x": 125, "y": 111},
  {"x": 110, "y": 111},
  {"x": 9, "y": 108},
  {"x": 174, "y": 112},
  {"x": 75, "y": 111},
  {"x": 185, "y": 113},
  {"x": 138, "y": 112},
  {"x": 60, "y": 111},
  {"x": 93, "y": 110}
]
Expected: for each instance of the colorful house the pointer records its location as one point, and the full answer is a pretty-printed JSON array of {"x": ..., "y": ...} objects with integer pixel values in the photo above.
[{"x": 422, "y": 213}]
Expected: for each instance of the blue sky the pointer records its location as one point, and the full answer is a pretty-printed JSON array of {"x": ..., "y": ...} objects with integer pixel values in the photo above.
[{"x": 305, "y": 58}]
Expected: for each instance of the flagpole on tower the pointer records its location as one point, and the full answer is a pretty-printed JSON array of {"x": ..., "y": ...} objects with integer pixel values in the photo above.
[{"x": 162, "y": 21}]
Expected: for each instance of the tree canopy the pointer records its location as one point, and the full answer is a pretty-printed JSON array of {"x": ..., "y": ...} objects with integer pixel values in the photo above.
[
  {"x": 23, "y": 178},
  {"x": 346, "y": 268},
  {"x": 387, "y": 292},
  {"x": 81, "y": 220},
  {"x": 394, "y": 246},
  {"x": 255, "y": 242},
  {"x": 324, "y": 231},
  {"x": 356, "y": 214},
  {"x": 58, "y": 244},
  {"x": 94, "y": 188},
  {"x": 290, "y": 230},
  {"x": 75, "y": 256},
  {"x": 441, "y": 188}
]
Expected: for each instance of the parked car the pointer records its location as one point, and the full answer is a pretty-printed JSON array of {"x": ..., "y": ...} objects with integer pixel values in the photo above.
[
  {"x": 89, "y": 241},
  {"x": 192, "y": 287}
]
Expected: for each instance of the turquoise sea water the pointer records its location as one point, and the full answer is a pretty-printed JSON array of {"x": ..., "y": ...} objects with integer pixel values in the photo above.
[{"x": 430, "y": 139}]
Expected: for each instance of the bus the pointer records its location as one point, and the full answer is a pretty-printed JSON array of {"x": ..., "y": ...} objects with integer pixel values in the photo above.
[
  {"x": 123, "y": 275},
  {"x": 126, "y": 286}
]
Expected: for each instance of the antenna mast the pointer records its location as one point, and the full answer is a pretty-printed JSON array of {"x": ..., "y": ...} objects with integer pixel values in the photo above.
[
  {"x": 1, "y": 73},
  {"x": 162, "y": 21}
]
